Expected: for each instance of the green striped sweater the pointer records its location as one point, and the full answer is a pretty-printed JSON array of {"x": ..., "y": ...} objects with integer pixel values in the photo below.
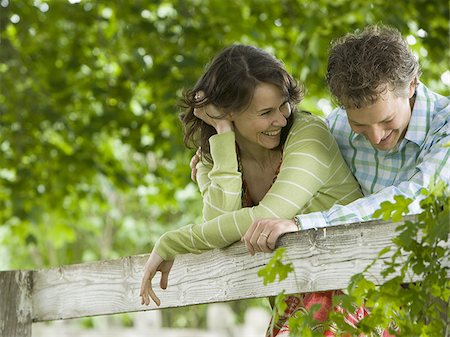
[{"x": 313, "y": 177}]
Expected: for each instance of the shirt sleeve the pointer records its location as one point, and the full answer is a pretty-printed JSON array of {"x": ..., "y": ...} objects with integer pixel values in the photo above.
[
  {"x": 220, "y": 183},
  {"x": 305, "y": 169},
  {"x": 432, "y": 165}
]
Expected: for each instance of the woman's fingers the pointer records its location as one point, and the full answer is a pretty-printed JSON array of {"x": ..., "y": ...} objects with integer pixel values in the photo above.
[
  {"x": 153, "y": 264},
  {"x": 249, "y": 247},
  {"x": 259, "y": 238},
  {"x": 164, "y": 280},
  {"x": 154, "y": 297},
  {"x": 199, "y": 95},
  {"x": 263, "y": 234},
  {"x": 165, "y": 268},
  {"x": 212, "y": 115},
  {"x": 148, "y": 294},
  {"x": 262, "y": 242},
  {"x": 265, "y": 243},
  {"x": 146, "y": 289}
]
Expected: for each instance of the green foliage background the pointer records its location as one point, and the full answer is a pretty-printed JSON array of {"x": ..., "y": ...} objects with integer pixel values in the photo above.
[{"x": 92, "y": 163}]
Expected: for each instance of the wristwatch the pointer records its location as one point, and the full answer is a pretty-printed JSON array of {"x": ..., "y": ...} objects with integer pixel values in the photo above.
[{"x": 297, "y": 223}]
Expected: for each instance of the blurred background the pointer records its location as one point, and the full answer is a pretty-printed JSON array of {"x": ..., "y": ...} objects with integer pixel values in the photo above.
[{"x": 92, "y": 164}]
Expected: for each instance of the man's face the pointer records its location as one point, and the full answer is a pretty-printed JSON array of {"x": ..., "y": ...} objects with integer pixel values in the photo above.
[{"x": 385, "y": 122}]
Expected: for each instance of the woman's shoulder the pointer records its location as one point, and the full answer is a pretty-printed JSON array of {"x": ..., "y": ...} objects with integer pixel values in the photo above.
[
  {"x": 309, "y": 130},
  {"x": 305, "y": 120}
]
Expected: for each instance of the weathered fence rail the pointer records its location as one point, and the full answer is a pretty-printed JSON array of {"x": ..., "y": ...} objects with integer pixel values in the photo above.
[{"x": 322, "y": 259}]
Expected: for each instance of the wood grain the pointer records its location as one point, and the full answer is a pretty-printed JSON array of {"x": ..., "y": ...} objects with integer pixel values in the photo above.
[
  {"x": 323, "y": 259},
  {"x": 15, "y": 303}
]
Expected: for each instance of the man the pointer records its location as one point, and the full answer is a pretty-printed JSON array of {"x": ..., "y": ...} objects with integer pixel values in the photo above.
[{"x": 391, "y": 129}]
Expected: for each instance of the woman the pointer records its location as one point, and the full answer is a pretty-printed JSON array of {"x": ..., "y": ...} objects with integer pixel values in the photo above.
[{"x": 261, "y": 158}]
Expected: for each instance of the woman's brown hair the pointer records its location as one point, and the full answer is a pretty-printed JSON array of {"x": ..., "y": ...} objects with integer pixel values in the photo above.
[{"x": 229, "y": 82}]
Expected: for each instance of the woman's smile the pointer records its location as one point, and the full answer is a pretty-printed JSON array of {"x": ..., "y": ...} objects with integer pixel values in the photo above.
[{"x": 272, "y": 133}]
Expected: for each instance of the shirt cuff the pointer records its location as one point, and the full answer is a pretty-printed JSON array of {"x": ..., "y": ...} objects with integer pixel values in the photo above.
[{"x": 312, "y": 220}]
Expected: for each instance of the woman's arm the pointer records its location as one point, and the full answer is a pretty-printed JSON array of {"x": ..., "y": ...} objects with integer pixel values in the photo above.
[
  {"x": 220, "y": 183},
  {"x": 308, "y": 159}
]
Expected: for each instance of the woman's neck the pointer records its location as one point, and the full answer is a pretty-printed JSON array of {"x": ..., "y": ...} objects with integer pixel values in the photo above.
[
  {"x": 260, "y": 156},
  {"x": 259, "y": 169}
]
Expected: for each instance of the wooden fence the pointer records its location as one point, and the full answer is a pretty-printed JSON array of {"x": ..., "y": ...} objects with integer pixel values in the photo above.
[{"x": 323, "y": 259}]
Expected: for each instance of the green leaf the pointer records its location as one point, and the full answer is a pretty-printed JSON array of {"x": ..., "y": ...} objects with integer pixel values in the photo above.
[{"x": 275, "y": 267}]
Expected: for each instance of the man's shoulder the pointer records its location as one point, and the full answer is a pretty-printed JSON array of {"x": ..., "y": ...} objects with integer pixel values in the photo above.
[
  {"x": 431, "y": 111},
  {"x": 337, "y": 122},
  {"x": 432, "y": 102}
]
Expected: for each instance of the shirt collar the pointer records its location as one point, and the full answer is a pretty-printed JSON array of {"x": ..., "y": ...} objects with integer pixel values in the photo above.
[{"x": 420, "y": 116}]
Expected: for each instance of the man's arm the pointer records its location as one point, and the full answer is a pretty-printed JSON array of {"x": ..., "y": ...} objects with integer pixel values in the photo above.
[{"x": 434, "y": 164}]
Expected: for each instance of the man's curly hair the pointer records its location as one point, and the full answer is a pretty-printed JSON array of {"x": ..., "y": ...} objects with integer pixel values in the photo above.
[{"x": 365, "y": 64}]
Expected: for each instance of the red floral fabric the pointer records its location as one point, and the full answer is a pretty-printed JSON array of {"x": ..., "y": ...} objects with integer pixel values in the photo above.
[{"x": 303, "y": 302}]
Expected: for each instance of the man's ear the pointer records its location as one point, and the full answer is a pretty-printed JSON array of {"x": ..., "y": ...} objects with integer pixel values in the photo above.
[{"x": 412, "y": 87}]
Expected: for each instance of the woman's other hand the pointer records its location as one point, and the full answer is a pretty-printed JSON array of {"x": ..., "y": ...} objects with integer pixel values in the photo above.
[
  {"x": 263, "y": 234},
  {"x": 154, "y": 263},
  {"x": 211, "y": 115}
]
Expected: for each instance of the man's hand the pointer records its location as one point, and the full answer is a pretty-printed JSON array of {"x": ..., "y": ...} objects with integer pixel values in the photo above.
[
  {"x": 154, "y": 263},
  {"x": 263, "y": 234},
  {"x": 193, "y": 164}
]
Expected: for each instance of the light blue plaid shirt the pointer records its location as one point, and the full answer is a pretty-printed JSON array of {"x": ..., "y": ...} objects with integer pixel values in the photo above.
[{"x": 418, "y": 158}]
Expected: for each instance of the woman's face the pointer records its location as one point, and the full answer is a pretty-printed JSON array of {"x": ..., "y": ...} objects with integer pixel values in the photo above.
[{"x": 259, "y": 126}]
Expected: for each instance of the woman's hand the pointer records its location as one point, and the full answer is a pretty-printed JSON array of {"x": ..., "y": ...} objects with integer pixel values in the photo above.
[
  {"x": 263, "y": 234},
  {"x": 154, "y": 263},
  {"x": 211, "y": 115}
]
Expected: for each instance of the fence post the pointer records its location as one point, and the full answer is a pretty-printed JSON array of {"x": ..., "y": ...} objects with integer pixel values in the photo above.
[{"x": 15, "y": 303}]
